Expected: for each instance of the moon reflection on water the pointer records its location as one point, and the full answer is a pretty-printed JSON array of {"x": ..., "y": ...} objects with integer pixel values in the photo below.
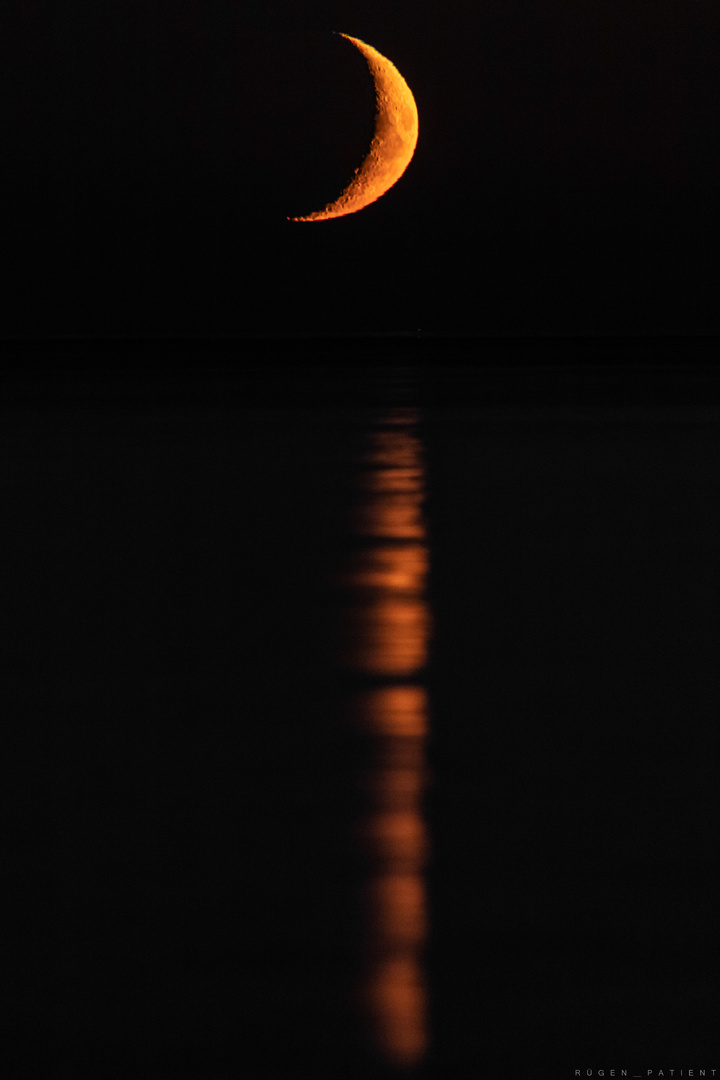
[{"x": 386, "y": 642}]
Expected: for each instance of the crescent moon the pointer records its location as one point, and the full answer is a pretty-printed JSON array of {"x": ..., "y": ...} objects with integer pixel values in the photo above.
[{"x": 393, "y": 144}]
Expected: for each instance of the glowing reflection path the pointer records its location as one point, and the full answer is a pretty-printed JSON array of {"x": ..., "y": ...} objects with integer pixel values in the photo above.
[{"x": 387, "y": 624}]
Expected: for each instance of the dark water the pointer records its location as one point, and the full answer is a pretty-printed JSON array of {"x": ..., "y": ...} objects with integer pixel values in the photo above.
[{"x": 364, "y": 733}]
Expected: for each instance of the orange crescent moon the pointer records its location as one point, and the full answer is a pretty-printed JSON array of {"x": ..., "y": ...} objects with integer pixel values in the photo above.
[{"x": 393, "y": 144}]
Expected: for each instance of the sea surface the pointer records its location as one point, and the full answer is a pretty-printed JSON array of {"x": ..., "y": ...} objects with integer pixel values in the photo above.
[{"x": 360, "y": 725}]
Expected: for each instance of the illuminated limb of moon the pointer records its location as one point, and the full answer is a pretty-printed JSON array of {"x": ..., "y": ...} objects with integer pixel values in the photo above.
[{"x": 393, "y": 144}]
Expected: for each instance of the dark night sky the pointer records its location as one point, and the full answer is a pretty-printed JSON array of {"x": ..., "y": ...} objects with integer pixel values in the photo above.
[{"x": 565, "y": 179}]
